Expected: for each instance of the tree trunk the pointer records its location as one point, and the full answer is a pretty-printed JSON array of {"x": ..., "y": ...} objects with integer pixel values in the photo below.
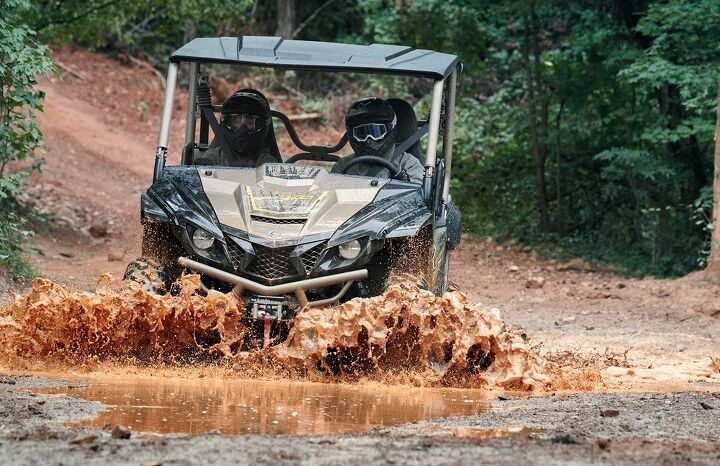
[
  {"x": 285, "y": 18},
  {"x": 714, "y": 262},
  {"x": 538, "y": 132},
  {"x": 559, "y": 226},
  {"x": 190, "y": 30}
]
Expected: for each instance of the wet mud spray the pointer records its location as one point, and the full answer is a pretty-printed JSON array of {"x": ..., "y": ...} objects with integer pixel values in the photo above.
[{"x": 406, "y": 335}]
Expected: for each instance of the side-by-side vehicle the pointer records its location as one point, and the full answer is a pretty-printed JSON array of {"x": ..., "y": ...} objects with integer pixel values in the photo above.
[{"x": 287, "y": 235}]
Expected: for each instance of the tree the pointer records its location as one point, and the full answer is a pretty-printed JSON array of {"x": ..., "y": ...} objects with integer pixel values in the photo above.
[
  {"x": 714, "y": 262},
  {"x": 537, "y": 109},
  {"x": 21, "y": 60},
  {"x": 285, "y": 18}
]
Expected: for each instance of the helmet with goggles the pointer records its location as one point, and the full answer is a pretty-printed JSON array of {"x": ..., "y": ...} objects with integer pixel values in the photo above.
[
  {"x": 370, "y": 125},
  {"x": 245, "y": 119}
]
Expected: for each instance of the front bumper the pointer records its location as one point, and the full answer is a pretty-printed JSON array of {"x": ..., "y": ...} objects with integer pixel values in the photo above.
[{"x": 298, "y": 287}]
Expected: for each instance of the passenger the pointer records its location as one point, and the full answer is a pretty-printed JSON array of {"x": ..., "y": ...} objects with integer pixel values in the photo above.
[
  {"x": 245, "y": 123},
  {"x": 371, "y": 130}
]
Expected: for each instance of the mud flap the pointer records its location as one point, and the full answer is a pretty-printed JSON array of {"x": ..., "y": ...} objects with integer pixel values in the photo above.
[{"x": 439, "y": 261}]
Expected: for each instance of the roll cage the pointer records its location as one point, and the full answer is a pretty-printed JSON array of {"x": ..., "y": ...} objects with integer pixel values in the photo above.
[{"x": 274, "y": 52}]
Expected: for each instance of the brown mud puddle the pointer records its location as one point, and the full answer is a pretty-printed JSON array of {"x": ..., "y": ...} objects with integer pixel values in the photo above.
[
  {"x": 237, "y": 406},
  {"x": 496, "y": 432}
]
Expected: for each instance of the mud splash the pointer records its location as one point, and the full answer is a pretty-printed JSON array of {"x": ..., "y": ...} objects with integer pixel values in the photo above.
[{"x": 407, "y": 332}]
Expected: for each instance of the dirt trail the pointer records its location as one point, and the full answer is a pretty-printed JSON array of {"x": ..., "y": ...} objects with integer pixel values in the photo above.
[
  {"x": 89, "y": 188},
  {"x": 664, "y": 330},
  {"x": 646, "y": 334}
]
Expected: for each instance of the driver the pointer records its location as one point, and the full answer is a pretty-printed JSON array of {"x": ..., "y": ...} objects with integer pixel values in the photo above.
[
  {"x": 371, "y": 130},
  {"x": 245, "y": 123}
]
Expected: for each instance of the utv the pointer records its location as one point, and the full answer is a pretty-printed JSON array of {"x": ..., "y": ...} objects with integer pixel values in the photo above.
[{"x": 287, "y": 235}]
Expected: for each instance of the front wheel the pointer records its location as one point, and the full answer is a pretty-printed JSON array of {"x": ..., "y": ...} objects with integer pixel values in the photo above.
[
  {"x": 149, "y": 273},
  {"x": 156, "y": 270},
  {"x": 441, "y": 284},
  {"x": 402, "y": 260}
]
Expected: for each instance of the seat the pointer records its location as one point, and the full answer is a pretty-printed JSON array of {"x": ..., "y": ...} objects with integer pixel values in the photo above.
[
  {"x": 407, "y": 125},
  {"x": 272, "y": 144}
]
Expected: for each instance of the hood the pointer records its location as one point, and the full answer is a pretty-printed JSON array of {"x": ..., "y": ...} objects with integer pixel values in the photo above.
[{"x": 281, "y": 202}]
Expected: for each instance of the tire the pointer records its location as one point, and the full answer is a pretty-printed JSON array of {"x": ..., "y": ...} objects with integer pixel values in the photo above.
[
  {"x": 149, "y": 273},
  {"x": 406, "y": 258},
  {"x": 378, "y": 273},
  {"x": 454, "y": 225},
  {"x": 441, "y": 285},
  {"x": 156, "y": 270}
]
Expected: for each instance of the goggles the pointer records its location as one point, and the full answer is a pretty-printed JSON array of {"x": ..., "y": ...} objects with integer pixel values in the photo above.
[
  {"x": 374, "y": 131},
  {"x": 237, "y": 121}
]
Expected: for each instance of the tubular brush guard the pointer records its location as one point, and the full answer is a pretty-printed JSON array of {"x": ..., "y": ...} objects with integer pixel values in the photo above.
[{"x": 298, "y": 287}]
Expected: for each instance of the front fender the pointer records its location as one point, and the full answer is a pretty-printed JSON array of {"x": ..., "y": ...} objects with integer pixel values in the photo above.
[
  {"x": 398, "y": 210},
  {"x": 178, "y": 198}
]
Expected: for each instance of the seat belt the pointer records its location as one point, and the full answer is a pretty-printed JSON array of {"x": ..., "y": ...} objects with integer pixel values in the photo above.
[
  {"x": 204, "y": 101},
  {"x": 415, "y": 137},
  {"x": 405, "y": 145},
  {"x": 210, "y": 117},
  {"x": 204, "y": 131}
]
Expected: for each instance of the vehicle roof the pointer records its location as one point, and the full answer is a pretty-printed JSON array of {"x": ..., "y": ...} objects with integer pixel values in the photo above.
[{"x": 276, "y": 52}]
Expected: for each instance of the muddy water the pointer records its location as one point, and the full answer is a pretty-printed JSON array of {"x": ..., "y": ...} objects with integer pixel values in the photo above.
[
  {"x": 266, "y": 407},
  {"x": 446, "y": 340},
  {"x": 497, "y": 432}
]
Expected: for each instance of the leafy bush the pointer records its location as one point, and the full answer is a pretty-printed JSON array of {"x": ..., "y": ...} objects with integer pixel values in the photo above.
[{"x": 21, "y": 60}]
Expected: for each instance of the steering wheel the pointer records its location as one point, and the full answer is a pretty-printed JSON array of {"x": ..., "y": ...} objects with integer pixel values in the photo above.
[
  {"x": 372, "y": 159},
  {"x": 321, "y": 157}
]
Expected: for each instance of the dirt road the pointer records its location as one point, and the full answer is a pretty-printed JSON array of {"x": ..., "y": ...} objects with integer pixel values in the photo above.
[
  {"x": 652, "y": 340},
  {"x": 654, "y": 428}
]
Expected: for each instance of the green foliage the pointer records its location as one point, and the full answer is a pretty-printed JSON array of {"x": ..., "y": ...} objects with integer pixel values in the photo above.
[
  {"x": 12, "y": 238},
  {"x": 613, "y": 101},
  {"x": 630, "y": 112},
  {"x": 21, "y": 60},
  {"x": 456, "y": 26},
  {"x": 702, "y": 217},
  {"x": 153, "y": 27}
]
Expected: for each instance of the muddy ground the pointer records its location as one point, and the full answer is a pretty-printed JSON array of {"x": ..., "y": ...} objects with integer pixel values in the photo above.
[
  {"x": 651, "y": 340},
  {"x": 652, "y": 428}
]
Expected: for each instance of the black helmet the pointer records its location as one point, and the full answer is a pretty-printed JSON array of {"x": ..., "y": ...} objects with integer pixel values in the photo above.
[
  {"x": 246, "y": 119},
  {"x": 370, "y": 124}
]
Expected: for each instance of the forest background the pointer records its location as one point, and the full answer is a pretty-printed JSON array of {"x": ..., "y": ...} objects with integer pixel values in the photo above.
[{"x": 584, "y": 128}]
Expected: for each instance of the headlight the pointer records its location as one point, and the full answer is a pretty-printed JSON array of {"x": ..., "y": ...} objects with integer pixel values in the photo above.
[
  {"x": 202, "y": 239},
  {"x": 350, "y": 250}
]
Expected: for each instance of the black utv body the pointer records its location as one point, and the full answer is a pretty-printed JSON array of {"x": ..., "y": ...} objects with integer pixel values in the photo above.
[{"x": 287, "y": 235}]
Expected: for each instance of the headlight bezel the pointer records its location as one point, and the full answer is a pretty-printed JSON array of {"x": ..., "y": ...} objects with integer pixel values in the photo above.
[
  {"x": 202, "y": 239},
  {"x": 350, "y": 250}
]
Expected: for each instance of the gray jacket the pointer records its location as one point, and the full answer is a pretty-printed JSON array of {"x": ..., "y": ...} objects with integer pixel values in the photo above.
[{"x": 407, "y": 162}]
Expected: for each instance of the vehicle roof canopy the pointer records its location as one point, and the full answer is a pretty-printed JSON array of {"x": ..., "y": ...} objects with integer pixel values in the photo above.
[{"x": 276, "y": 52}]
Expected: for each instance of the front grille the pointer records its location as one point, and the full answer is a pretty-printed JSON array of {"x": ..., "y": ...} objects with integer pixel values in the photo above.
[
  {"x": 310, "y": 257},
  {"x": 236, "y": 255},
  {"x": 278, "y": 221},
  {"x": 272, "y": 263}
]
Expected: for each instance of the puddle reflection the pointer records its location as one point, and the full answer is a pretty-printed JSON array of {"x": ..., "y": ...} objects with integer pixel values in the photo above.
[{"x": 267, "y": 407}]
